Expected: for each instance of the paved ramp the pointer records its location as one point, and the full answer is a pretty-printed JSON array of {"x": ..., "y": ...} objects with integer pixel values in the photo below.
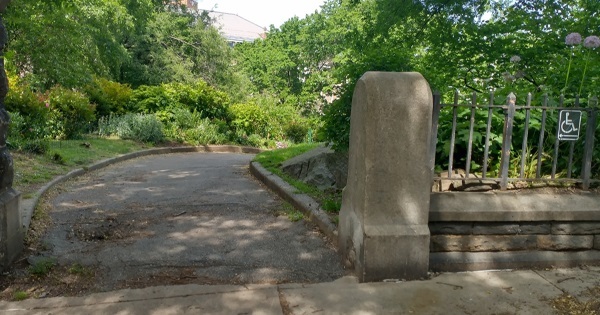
[{"x": 183, "y": 218}]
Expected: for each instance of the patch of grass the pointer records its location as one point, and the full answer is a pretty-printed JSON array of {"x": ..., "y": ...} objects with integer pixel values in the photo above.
[
  {"x": 33, "y": 170},
  {"x": 291, "y": 212},
  {"x": 295, "y": 215},
  {"x": 42, "y": 267},
  {"x": 332, "y": 204},
  {"x": 20, "y": 296},
  {"x": 77, "y": 269},
  {"x": 330, "y": 201},
  {"x": 272, "y": 160}
]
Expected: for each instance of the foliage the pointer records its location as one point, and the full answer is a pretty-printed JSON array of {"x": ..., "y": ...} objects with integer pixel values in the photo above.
[
  {"x": 20, "y": 296},
  {"x": 108, "y": 96},
  {"x": 264, "y": 117},
  {"x": 42, "y": 267},
  {"x": 197, "y": 97},
  {"x": 178, "y": 46},
  {"x": 71, "y": 113},
  {"x": 29, "y": 112},
  {"x": 184, "y": 126},
  {"x": 138, "y": 127}
]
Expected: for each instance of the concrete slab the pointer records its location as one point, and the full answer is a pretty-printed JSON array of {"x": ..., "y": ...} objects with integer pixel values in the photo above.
[
  {"x": 188, "y": 299},
  {"x": 580, "y": 282},
  {"x": 518, "y": 292}
]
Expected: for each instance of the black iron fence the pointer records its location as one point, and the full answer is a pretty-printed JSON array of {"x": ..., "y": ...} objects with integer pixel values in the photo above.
[{"x": 515, "y": 143}]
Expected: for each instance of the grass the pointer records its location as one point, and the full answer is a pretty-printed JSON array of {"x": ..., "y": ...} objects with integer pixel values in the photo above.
[
  {"x": 20, "y": 296},
  {"x": 272, "y": 160},
  {"x": 77, "y": 269},
  {"x": 291, "y": 212},
  {"x": 42, "y": 267},
  {"x": 32, "y": 170}
]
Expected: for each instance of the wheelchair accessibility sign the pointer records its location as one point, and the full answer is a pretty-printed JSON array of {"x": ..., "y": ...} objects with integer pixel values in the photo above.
[{"x": 569, "y": 124}]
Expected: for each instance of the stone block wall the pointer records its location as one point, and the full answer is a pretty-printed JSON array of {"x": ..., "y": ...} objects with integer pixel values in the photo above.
[
  {"x": 494, "y": 230},
  {"x": 513, "y": 236}
]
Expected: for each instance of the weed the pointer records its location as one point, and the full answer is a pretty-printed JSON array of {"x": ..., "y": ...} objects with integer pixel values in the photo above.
[
  {"x": 42, "y": 267},
  {"x": 332, "y": 204},
  {"x": 58, "y": 158},
  {"x": 20, "y": 296},
  {"x": 77, "y": 269},
  {"x": 295, "y": 215}
]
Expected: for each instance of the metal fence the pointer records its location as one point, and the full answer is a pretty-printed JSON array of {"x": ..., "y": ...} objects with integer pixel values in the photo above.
[{"x": 556, "y": 143}]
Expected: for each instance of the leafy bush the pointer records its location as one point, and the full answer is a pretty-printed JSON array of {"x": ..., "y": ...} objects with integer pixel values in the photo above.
[
  {"x": 150, "y": 99},
  {"x": 109, "y": 97},
  {"x": 249, "y": 118},
  {"x": 71, "y": 115},
  {"x": 296, "y": 131},
  {"x": 29, "y": 111},
  {"x": 205, "y": 133},
  {"x": 198, "y": 97},
  {"x": 139, "y": 127}
]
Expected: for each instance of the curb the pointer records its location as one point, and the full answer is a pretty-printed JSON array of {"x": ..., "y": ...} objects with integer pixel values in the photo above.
[
  {"x": 28, "y": 206},
  {"x": 300, "y": 201}
]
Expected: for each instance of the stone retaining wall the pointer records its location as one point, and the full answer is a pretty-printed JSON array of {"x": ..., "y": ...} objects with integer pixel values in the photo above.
[
  {"x": 470, "y": 231},
  {"x": 513, "y": 236}
]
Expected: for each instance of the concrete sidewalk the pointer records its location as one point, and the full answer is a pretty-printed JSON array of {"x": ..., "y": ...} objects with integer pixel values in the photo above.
[{"x": 486, "y": 292}]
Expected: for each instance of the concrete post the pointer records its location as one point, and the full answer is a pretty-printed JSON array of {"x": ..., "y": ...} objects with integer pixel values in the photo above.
[{"x": 383, "y": 230}]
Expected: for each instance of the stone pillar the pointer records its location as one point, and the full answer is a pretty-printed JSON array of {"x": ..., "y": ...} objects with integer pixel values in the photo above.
[
  {"x": 383, "y": 232},
  {"x": 11, "y": 229}
]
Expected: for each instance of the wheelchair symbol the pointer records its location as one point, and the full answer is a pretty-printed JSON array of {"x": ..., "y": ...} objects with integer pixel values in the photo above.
[{"x": 569, "y": 125}]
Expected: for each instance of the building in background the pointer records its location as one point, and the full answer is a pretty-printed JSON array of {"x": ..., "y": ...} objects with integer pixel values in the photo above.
[
  {"x": 190, "y": 4},
  {"x": 235, "y": 28}
]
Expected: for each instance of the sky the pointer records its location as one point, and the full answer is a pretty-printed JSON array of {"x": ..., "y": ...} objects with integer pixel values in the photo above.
[{"x": 264, "y": 12}]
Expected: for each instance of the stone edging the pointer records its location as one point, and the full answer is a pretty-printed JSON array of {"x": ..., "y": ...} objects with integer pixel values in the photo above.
[
  {"x": 302, "y": 202},
  {"x": 28, "y": 205}
]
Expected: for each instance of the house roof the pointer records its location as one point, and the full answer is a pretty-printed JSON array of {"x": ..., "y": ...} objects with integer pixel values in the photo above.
[{"x": 236, "y": 28}]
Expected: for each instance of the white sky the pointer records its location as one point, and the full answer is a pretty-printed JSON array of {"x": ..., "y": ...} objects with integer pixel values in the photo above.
[{"x": 264, "y": 12}]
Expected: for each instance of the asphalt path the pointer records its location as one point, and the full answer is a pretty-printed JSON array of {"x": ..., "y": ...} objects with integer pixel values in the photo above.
[{"x": 183, "y": 218}]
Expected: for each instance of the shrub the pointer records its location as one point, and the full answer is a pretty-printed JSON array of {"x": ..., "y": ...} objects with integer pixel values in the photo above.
[
  {"x": 138, "y": 127},
  {"x": 205, "y": 133},
  {"x": 296, "y": 131},
  {"x": 199, "y": 97},
  {"x": 249, "y": 118},
  {"x": 150, "y": 99},
  {"x": 29, "y": 111},
  {"x": 108, "y": 96},
  {"x": 71, "y": 113}
]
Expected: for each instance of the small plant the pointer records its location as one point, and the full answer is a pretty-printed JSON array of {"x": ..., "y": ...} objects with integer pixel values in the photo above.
[
  {"x": 332, "y": 205},
  {"x": 295, "y": 215},
  {"x": 38, "y": 146},
  {"x": 42, "y": 267},
  {"x": 78, "y": 269},
  {"x": 58, "y": 158},
  {"x": 20, "y": 296}
]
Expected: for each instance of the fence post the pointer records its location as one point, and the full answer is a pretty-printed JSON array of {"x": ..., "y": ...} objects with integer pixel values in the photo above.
[
  {"x": 589, "y": 143},
  {"x": 509, "y": 115},
  {"x": 437, "y": 105}
]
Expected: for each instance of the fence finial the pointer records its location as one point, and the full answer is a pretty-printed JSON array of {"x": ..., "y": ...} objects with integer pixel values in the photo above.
[{"x": 512, "y": 98}]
